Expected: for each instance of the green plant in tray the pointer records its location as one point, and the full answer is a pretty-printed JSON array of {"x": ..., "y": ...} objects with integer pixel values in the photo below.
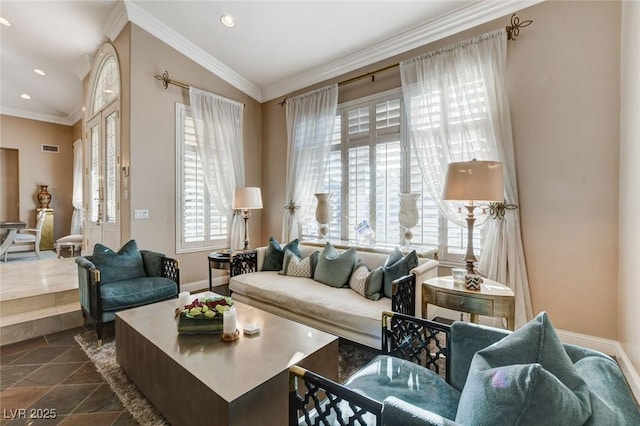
[{"x": 207, "y": 308}]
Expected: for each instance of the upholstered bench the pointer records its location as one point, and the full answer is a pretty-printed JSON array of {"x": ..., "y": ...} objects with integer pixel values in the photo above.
[{"x": 72, "y": 242}]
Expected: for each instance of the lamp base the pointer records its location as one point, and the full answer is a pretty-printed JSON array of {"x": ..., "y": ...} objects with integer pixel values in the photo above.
[
  {"x": 470, "y": 257},
  {"x": 470, "y": 267},
  {"x": 245, "y": 215}
]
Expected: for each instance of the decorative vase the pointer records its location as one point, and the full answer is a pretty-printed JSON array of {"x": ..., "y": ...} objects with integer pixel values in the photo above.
[
  {"x": 323, "y": 213},
  {"x": 44, "y": 198},
  {"x": 408, "y": 214}
]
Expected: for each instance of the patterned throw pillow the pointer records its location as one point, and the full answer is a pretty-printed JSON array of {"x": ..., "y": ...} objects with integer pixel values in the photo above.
[
  {"x": 296, "y": 267},
  {"x": 365, "y": 282}
]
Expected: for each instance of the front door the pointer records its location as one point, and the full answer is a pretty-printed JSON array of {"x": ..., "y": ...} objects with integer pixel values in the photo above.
[{"x": 103, "y": 176}]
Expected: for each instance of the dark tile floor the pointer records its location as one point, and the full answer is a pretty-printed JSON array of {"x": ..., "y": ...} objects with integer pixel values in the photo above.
[{"x": 49, "y": 380}]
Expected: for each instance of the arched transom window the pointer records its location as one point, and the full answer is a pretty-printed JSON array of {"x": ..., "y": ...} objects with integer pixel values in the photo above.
[{"x": 107, "y": 84}]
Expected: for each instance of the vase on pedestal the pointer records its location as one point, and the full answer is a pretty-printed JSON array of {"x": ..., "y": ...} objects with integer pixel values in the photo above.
[
  {"x": 44, "y": 198},
  {"x": 323, "y": 214},
  {"x": 408, "y": 214}
]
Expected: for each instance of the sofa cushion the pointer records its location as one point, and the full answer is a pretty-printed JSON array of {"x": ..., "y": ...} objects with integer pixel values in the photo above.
[
  {"x": 397, "y": 266},
  {"x": 527, "y": 377},
  {"x": 123, "y": 265},
  {"x": 335, "y": 269},
  {"x": 387, "y": 376},
  {"x": 293, "y": 266},
  {"x": 366, "y": 282},
  {"x": 612, "y": 402},
  {"x": 274, "y": 257},
  {"x": 118, "y": 295},
  {"x": 307, "y": 298}
]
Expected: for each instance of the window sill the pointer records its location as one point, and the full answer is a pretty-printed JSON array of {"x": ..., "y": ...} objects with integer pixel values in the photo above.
[{"x": 422, "y": 251}]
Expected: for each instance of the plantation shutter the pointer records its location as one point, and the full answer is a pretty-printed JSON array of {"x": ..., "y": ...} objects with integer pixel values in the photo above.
[{"x": 200, "y": 224}]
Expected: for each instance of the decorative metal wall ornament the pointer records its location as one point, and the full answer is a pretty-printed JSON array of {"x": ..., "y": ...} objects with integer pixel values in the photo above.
[
  {"x": 513, "y": 30},
  {"x": 291, "y": 207},
  {"x": 498, "y": 210}
]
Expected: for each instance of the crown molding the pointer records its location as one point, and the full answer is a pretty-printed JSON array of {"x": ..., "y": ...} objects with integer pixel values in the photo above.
[
  {"x": 161, "y": 31},
  {"x": 74, "y": 116},
  {"x": 116, "y": 21},
  {"x": 29, "y": 115},
  {"x": 83, "y": 67},
  {"x": 454, "y": 22}
]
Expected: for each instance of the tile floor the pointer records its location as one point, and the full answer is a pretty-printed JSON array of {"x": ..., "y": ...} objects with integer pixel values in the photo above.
[{"x": 51, "y": 375}]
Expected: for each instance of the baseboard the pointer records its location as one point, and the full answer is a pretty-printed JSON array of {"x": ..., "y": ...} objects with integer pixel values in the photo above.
[
  {"x": 203, "y": 285},
  {"x": 609, "y": 347},
  {"x": 629, "y": 371}
]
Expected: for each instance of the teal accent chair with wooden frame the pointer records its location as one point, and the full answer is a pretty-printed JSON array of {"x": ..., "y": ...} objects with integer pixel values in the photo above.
[{"x": 110, "y": 282}]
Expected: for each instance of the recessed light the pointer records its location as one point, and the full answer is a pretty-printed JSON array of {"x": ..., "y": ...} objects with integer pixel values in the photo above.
[
  {"x": 25, "y": 96},
  {"x": 39, "y": 71},
  {"x": 228, "y": 21},
  {"x": 4, "y": 22}
]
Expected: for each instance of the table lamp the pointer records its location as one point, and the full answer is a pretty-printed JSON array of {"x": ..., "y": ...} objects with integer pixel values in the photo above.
[
  {"x": 246, "y": 199},
  {"x": 473, "y": 181}
]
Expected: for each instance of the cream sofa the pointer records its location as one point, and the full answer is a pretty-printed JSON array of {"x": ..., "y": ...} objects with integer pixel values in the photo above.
[{"x": 340, "y": 311}]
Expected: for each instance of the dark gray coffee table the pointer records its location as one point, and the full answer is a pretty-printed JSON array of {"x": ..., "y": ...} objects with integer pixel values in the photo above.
[{"x": 199, "y": 378}]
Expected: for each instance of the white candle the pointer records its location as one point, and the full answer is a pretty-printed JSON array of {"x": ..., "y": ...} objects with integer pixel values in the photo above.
[
  {"x": 184, "y": 299},
  {"x": 229, "y": 322}
]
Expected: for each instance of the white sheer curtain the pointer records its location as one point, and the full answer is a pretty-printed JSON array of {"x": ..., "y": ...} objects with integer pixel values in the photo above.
[
  {"x": 76, "y": 197},
  {"x": 458, "y": 110},
  {"x": 310, "y": 120},
  {"x": 218, "y": 127}
]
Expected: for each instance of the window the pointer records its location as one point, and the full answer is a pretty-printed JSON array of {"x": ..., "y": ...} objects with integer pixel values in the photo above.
[
  {"x": 370, "y": 165},
  {"x": 200, "y": 226}
]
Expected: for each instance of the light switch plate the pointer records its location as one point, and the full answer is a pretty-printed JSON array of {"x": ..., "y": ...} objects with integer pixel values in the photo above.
[{"x": 141, "y": 214}]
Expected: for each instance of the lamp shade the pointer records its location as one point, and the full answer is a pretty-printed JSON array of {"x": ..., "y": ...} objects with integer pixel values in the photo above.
[
  {"x": 247, "y": 198},
  {"x": 474, "y": 180}
]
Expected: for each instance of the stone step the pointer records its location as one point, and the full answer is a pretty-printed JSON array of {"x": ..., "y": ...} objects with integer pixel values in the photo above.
[
  {"x": 19, "y": 305},
  {"x": 32, "y": 323}
]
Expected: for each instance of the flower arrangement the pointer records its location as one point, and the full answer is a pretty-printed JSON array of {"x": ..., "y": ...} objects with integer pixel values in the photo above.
[{"x": 203, "y": 315}]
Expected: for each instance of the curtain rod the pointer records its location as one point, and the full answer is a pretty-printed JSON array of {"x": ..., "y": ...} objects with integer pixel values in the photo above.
[
  {"x": 166, "y": 81},
  {"x": 513, "y": 30}
]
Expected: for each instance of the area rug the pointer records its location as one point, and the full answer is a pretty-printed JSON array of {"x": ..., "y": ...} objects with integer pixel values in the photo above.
[
  {"x": 351, "y": 357},
  {"x": 28, "y": 256}
]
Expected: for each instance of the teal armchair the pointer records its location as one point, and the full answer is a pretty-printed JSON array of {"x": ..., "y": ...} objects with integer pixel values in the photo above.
[
  {"x": 110, "y": 282},
  {"x": 467, "y": 374}
]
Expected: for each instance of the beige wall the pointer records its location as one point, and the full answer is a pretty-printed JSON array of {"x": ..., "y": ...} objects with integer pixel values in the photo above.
[
  {"x": 628, "y": 284},
  {"x": 153, "y": 149},
  {"x": 42, "y": 168},
  {"x": 565, "y": 110}
]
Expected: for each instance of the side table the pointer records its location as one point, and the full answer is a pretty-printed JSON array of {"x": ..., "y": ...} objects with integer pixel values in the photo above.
[
  {"x": 493, "y": 299},
  {"x": 236, "y": 262}
]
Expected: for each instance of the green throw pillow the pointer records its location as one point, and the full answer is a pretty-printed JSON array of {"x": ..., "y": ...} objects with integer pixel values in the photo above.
[
  {"x": 335, "y": 269},
  {"x": 366, "y": 282},
  {"x": 274, "y": 257},
  {"x": 293, "y": 266},
  {"x": 398, "y": 266},
  {"x": 525, "y": 378},
  {"x": 124, "y": 265}
]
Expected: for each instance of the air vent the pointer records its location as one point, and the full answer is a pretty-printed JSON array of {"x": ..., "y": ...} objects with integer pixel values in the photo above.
[{"x": 50, "y": 148}]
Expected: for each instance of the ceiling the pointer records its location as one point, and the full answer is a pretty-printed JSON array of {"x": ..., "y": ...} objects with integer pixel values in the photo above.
[{"x": 275, "y": 47}]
